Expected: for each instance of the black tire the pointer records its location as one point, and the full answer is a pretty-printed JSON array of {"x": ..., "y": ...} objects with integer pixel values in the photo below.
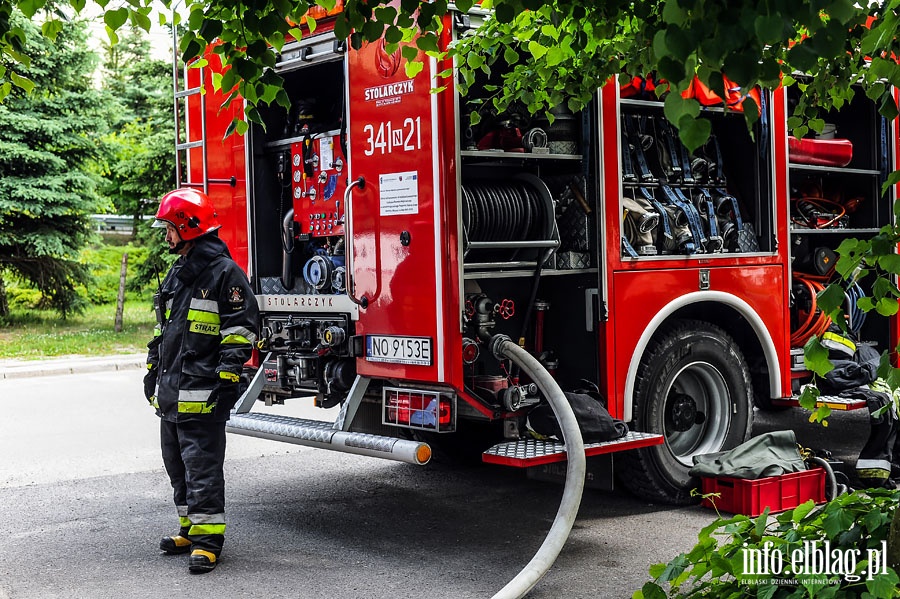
[{"x": 694, "y": 387}]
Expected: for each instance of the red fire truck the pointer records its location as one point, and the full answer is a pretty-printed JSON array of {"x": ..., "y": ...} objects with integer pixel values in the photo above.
[{"x": 391, "y": 242}]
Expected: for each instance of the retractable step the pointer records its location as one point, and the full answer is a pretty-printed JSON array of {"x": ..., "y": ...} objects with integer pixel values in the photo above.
[
  {"x": 832, "y": 401},
  {"x": 316, "y": 433},
  {"x": 525, "y": 453}
]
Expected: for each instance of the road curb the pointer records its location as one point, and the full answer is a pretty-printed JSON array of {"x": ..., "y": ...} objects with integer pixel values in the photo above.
[{"x": 12, "y": 369}]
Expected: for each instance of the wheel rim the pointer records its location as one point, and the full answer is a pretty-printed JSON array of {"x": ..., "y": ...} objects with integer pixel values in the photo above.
[{"x": 697, "y": 414}]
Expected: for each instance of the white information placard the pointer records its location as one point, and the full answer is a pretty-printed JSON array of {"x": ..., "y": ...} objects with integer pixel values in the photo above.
[
  {"x": 399, "y": 193},
  {"x": 326, "y": 154}
]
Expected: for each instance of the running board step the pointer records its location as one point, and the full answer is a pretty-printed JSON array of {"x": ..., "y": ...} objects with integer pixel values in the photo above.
[
  {"x": 316, "y": 433},
  {"x": 525, "y": 453},
  {"x": 832, "y": 401}
]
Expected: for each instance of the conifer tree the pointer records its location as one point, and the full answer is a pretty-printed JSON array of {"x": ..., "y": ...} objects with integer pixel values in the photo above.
[{"x": 49, "y": 142}]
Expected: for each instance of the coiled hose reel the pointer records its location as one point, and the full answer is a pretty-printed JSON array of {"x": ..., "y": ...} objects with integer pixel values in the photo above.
[
  {"x": 499, "y": 214},
  {"x": 517, "y": 209}
]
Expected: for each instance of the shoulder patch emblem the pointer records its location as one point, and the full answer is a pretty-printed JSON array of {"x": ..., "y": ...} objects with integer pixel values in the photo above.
[{"x": 236, "y": 296}]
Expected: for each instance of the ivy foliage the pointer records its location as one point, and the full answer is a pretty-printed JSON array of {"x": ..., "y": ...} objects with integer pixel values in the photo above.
[
  {"x": 724, "y": 561},
  {"x": 559, "y": 52},
  {"x": 874, "y": 259},
  {"x": 563, "y": 51}
]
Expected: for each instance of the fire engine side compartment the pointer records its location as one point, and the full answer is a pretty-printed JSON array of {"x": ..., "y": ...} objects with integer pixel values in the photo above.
[
  {"x": 736, "y": 291},
  {"x": 753, "y": 294},
  {"x": 404, "y": 218},
  {"x": 226, "y": 169}
]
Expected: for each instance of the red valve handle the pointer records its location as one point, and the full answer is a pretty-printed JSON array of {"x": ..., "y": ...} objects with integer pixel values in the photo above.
[{"x": 506, "y": 309}]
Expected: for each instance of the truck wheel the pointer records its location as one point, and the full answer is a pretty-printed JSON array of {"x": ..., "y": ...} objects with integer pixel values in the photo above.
[{"x": 693, "y": 386}]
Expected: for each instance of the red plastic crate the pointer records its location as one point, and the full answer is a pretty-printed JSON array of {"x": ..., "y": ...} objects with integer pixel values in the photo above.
[{"x": 778, "y": 493}]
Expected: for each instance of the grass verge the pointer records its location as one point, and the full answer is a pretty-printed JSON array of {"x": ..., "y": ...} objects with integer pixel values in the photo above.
[{"x": 36, "y": 334}]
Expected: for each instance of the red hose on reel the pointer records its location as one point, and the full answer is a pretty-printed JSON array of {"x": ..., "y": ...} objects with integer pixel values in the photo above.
[{"x": 813, "y": 322}]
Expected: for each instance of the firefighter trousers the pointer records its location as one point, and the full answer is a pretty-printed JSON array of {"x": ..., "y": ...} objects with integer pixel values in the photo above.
[
  {"x": 880, "y": 452},
  {"x": 194, "y": 455}
]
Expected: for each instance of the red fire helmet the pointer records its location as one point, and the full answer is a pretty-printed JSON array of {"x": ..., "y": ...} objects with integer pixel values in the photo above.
[{"x": 188, "y": 210}]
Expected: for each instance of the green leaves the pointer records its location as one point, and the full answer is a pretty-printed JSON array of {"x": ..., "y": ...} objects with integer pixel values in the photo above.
[
  {"x": 815, "y": 357},
  {"x": 650, "y": 590},
  {"x": 694, "y": 132},
  {"x": 210, "y": 29},
  {"x": 883, "y": 585},
  {"x": 800, "y": 512},
  {"x": 510, "y": 55},
  {"x": 537, "y": 50},
  {"x": 115, "y": 18},
  {"x": 30, "y": 7},
  {"x": 21, "y": 82},
  {"x": 852, "y": 523},
  {"x": 684, "y": 113},
  {"x": 560, "y": 51},
  {"x": 237, "y": 126},
  {"x": 769, "y": 28},
  {"x": 831, "y": 299}
]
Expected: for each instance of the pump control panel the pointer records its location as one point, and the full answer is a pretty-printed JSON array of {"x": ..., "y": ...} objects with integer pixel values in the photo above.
[{"x": 318, "y": 181}]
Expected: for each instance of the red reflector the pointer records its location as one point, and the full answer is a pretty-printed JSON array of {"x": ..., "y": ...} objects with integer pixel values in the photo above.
[{"x": 418, "y": 409}]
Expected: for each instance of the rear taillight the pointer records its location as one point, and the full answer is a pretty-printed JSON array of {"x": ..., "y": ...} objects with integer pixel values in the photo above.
[{"x": 412, "y": 408}]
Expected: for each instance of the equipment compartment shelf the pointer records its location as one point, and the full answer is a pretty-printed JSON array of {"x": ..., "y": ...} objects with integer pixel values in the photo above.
[
  {"x": 489, "y": 154},
  {"x": 697, "y": 256},
  {"x": 854, "y": 231},
  {"x": 510, "y": 274},
  {"x": 833, "y": 170},
  {"x": 658, "y": 105},
  {"x": 287, "y": 142}
]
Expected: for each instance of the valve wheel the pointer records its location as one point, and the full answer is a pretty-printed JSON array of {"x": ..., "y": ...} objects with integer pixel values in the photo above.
[
  {"x": 470, "y": 309},
  {"x": 506, "y": 309}
]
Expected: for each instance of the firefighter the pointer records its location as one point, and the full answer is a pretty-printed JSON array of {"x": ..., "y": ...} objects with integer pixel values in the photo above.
[
  {"x": 207, "y": 324},
  {"x": 854, "y": 376}
]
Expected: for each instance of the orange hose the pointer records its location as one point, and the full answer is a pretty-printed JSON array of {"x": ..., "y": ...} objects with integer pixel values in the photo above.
[
  {"x": 835, "y": 208},
  {"x": 816, "y": 321}
]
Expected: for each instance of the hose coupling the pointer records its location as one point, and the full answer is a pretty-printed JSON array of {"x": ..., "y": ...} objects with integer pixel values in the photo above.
[{"x": 496, "y": 344}]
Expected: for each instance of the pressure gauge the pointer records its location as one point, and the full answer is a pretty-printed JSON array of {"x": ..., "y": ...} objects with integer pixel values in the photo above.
[
  {"x": 298, "y": 193},
  {"x": 297, "y": 176},
  {"x": 297, "y": 159}
]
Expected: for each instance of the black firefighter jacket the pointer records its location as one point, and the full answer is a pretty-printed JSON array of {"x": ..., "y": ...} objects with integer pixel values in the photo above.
[{"x": 209, "y": 325}]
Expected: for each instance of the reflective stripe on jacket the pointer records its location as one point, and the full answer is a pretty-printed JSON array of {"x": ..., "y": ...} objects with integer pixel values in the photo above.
[{"x": 208, "y": 331}]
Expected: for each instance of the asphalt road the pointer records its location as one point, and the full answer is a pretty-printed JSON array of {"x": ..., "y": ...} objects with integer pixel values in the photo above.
[{"x": 84, "y": 500}]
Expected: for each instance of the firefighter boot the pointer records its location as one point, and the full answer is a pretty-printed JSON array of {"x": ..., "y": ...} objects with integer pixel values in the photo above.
[
  {"x": 202, "y": 561},
  {"x": 175, "y": 544}
]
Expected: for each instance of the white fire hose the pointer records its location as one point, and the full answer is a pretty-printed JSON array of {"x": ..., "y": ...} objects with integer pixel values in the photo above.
[{"x": 503, "y": 347}]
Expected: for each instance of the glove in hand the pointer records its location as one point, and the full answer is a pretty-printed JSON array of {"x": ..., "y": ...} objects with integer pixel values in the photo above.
[
  {"x": 225, "y": 395},
  {"x": 150, "y": 384}
]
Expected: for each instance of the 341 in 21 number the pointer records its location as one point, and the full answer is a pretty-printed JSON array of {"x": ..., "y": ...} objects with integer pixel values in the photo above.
[{"x": 389, "y": 137}]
